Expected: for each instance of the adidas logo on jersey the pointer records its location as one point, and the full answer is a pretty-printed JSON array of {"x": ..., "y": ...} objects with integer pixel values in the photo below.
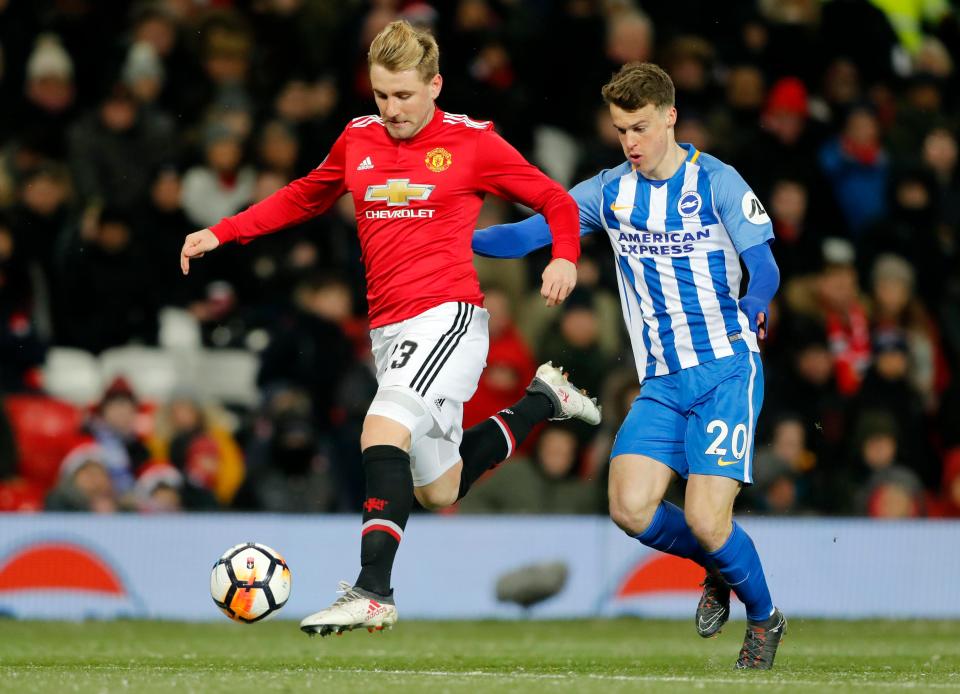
[{"x": 365, "y": 165}]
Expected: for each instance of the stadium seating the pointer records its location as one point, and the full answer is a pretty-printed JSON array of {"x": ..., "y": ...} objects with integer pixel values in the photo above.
[
  {"x": 229, "y": 376},
  {"x": 153, "y": 373},
  {"x": 179, "y": 330},
  {"x": 72, "y": 375},
  {"x": 45, "y": 430}
]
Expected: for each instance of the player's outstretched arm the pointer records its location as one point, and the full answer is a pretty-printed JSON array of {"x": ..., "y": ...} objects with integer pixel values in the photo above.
[
  {"x": 522, "y": 238},
  {"x": 195, "y": 245},
  {"x": 512, "y": 240}
]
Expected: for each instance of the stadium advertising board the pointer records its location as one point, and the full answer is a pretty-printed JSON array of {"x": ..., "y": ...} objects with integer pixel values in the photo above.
[{"x": 86, "y": 566}]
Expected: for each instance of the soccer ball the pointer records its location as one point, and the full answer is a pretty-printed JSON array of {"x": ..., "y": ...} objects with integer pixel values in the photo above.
[{"x": 250, "y": 582}]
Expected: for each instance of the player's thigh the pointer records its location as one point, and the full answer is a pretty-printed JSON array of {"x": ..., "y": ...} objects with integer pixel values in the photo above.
[
  {"x": 427, "y": 366},
  {"x": 434, "y": 458},
  {"x": 722, "y": 422},
  {"x": 655, "y": 427}
]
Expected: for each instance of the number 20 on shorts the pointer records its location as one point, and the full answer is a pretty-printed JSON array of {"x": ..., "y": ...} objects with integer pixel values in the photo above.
[{"x": 738, "y": 440}]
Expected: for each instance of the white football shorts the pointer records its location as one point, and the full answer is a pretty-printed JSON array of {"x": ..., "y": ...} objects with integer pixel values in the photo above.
[{"x": 427, "y": 367}]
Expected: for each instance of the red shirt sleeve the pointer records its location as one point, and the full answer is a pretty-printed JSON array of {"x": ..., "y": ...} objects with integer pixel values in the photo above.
[
  {"x": 297, "y": 201},
  {"x": 502, "y": 170}
]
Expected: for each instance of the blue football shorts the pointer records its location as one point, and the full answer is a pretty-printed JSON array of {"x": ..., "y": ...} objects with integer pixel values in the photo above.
[{"x": 699, "y": 420}]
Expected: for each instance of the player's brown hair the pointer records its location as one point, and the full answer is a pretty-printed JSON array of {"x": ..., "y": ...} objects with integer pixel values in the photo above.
[
  {"x": 637, "y": 84},
  {"x": 400, "y": 47}
]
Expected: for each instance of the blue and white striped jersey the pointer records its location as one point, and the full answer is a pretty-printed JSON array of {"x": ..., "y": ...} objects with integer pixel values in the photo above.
[{"x": 676, "y": 245}]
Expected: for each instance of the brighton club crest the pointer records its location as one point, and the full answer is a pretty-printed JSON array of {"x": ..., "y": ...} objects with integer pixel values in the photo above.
[{"x": 438, "y": 160}]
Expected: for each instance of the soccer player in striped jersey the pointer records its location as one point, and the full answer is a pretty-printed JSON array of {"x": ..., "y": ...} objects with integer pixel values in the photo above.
[{"x": 679, "y": 222}]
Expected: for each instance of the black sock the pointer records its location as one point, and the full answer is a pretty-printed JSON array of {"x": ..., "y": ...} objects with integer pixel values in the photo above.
[
  {"x": 495, "y": 439},
  {"x": 385, "y": 512}
]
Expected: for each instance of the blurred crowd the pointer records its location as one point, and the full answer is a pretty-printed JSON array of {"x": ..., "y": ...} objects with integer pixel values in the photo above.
[{"x": 126, "y": 125}]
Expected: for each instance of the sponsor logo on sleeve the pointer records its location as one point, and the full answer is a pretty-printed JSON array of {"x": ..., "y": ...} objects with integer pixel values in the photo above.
[{"x": 753, "y": 210}]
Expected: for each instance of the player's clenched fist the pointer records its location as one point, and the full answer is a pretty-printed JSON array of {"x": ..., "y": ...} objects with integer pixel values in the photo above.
[
  {"x": 559, "y": 279},
  {"x": 195, "y": 245}
]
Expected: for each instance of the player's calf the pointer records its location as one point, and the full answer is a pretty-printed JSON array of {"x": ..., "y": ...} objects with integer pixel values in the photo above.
[{"x": 549, "y": 396}]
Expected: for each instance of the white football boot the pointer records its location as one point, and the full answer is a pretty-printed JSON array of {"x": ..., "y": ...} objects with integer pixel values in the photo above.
[
  {"x": 568, "y": 400},
  {"x": 354, "y": 609}
]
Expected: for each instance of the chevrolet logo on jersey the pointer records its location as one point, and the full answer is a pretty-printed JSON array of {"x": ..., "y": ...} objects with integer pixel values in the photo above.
[{"x": 398, "y": 191}]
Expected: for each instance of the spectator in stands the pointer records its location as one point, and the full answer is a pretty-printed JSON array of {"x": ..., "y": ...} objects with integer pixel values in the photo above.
[
  {"x": 804, "y": 382},
  {"x": 85, "y": 482},
  {"x": 199, "y": 446},
  {"x": 279, "y": 150},
  {"x": 799, "y": 239},
  {"x": 546, "y": 483},
  {"x": 310, "y": 108},
  {"x": 221, "y": 186},
  {"x": 940, "y": 158},
  {"x": 143, "y": 73},
  {"x": 115, "y": 148},
  {"x": 41, "y": 216},
  {"x": 161, "y": 226},
  {"x": 783, "y": 479},
  {"x": 44, "y": 116},
  {"x": 844, "y": 315},
  {"x": 22, "y": 351},
  {"x": 114, "y": 428},
  {"x": 308, "y": 347},
  {"x": 883, "y": 487},
  {"x": 162, "y": 488},
  {"x": 895, "y": 307},
  {"x": 288, "y": 467},
  {"x": 946, "y": 504},
  {"x": 895, "y": 493},
  {"x": 857, "y": 167},
  {"x": 909, "y": 230},
  {"x": 106, "y": 294},
  {"x": 887, "y": 387},
  {"x": 154, "y": 24}
]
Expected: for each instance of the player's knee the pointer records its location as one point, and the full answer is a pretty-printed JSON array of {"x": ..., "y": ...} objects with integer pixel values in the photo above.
[
  {"x": 709, "y": 527},
  {"x": 630, "y": 510},
  {"x": 435, "y": 498}
]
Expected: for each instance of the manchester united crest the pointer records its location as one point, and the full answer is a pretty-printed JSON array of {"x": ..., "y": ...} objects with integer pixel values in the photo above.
[{"x": 438, "y": 160}]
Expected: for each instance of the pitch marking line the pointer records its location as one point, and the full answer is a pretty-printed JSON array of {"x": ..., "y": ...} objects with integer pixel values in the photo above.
[{"x": 746, "y": 680}]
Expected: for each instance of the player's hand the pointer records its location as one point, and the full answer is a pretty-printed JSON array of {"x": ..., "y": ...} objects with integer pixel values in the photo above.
[
  {"x": 559, "y": 279},
  {"x": 757, "y": 315},
  {"x": 195, "y": 245}
]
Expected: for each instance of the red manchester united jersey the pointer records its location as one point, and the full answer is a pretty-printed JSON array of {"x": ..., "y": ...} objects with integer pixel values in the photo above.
[{"x": 417, "y": 203}]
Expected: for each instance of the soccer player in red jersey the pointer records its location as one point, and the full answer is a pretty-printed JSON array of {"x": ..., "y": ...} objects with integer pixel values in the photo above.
[{"x": 418, "y": 176}]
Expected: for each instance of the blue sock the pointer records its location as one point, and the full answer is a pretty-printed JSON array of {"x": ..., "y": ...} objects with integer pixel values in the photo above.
[
  {"x": 739, "y": 564},
  {"x": 669, "y": 532}
]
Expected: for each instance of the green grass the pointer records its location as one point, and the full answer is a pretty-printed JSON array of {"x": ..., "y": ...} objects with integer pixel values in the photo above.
[{"x": 624, "y": 655}]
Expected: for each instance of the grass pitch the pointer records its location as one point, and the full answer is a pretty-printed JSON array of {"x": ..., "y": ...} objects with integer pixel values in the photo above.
[{"x": 623, "y": 655}]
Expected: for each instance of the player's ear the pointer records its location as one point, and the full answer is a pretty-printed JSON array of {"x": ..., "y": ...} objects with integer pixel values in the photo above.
[
  {"x": 436, "y": 84},
  {"x": 671, "y": 116}
]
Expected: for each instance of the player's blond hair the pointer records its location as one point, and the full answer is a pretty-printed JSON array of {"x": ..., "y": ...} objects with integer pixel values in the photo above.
[
  {"x": 400, "y": 47},
  {"x": 637, "y": 84}
]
